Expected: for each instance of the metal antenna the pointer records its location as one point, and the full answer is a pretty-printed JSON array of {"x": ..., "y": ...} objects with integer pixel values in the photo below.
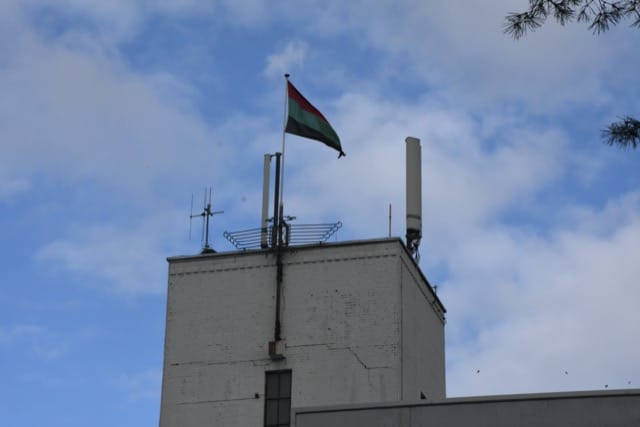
[
  {"x": 204, "y": 207},
  {"x": 205, "y": 214},
  {"x": 190, "y": 216},
  {"x": 414, "y": 195}
]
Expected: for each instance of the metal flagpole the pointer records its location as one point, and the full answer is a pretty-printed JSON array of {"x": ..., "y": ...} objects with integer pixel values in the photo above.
[
  {"x": 284, "y": 126},
  {"x": 278, "y": 220}
]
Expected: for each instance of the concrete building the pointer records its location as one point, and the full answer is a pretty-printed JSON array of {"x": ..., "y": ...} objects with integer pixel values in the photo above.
[
  {"x": 362, "y": 343},
  {"x": 359, "y": 324},
  {"x": 342, "y": 334}
]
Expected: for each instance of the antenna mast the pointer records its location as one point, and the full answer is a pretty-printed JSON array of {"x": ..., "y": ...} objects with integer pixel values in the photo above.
[{"x": 205, "y": 214}]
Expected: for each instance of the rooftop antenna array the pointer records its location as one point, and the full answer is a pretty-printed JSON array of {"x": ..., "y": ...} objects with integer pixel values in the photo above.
[
  {"x": 278, "y": 231},
  {"x": 205, "y": 214}
]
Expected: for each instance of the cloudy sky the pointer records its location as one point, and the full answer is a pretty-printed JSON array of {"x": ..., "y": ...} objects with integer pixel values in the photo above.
[{"x": 113, "y": 113}]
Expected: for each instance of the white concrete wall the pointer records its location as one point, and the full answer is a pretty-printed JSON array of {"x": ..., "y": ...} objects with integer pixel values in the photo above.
[
  {"x": 342, "y": 316},
  {"x": 423, "y": 358},
  {"x": 219, "y": 311},
  {"x": 342, "y": 320}
]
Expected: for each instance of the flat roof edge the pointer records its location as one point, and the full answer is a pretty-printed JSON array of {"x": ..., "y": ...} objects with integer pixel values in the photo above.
[
  {"x": 472, "y": 399},
  {"x": 297, "y": 247}
]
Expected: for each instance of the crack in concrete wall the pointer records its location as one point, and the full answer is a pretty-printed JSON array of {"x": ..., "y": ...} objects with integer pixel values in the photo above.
[{"x": 350, "y": 349}]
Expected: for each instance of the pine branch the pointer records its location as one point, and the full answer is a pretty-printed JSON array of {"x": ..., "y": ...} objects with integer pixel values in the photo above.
[
  {"x": 600, "y": 15},
  {"x": 624, "y": 133}
]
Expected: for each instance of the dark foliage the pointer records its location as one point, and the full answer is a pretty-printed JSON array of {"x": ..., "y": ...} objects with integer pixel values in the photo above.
[
  {"x": 599, "y": 15},
  {"x": 625, "y": 133}
]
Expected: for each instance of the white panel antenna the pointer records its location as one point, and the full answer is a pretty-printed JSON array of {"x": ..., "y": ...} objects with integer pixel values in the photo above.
[
  {"x": 414, "y": 195},
  {"x": 264, "y": 224}
]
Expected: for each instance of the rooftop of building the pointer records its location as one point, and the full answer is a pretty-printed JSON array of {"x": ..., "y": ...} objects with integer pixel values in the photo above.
[{"x": 396, "y": 241}]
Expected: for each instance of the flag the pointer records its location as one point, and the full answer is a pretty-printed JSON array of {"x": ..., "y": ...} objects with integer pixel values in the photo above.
[{"x": 305, "y": 120}]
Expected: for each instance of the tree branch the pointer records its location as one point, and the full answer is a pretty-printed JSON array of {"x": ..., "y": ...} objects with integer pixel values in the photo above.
[
  {"x": 624, "y": 133},
  {"x": 600, "y": 15}
]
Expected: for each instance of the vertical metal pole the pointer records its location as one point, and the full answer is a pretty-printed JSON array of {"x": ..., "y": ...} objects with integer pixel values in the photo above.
[
  {"x": 276, "y": 206},
  {"x": 284, "y": 133},
  {"x": 207, "y": 213},
  {"x": 266, "y": 178},
  {"x": 278, "y": 215},
  {"x": 276, "y": 243},
  {"x": 276, "y": 331}
]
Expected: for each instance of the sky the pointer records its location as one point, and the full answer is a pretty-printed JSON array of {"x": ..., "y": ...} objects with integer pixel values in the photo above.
[{"x": 113, "y": 114}]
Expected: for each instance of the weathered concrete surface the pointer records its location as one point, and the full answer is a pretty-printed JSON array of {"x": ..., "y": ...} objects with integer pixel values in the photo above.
[
  {"x": 423, "y": 359},
  {"x": 616, "y": 408},
  {"x": 359, "y": 324}
]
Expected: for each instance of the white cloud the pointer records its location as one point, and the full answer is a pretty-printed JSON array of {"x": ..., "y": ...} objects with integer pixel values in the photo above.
[
  {"x": 525, "y": 308},
  {"x": 459, "y": 50},
  {"x": 111, "y": 22},
  {"x": 12, "y": 187},
  {"x": 463, "y": 177},
  {"x": 290, "y": 57},
  {"x": 73, "y": 114},
  {"x": 121, "y": 260},
  {"x": 249, "y": 13}
]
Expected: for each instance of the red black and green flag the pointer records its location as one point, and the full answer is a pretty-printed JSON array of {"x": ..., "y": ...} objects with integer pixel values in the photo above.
[{"x": 305, "y": 120}]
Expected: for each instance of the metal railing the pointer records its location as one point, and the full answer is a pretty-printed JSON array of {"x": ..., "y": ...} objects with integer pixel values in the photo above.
[{"x": 292, "y": 235}]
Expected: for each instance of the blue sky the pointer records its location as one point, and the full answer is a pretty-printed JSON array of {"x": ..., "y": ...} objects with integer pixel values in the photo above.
[{"x": 114, "y": 113}]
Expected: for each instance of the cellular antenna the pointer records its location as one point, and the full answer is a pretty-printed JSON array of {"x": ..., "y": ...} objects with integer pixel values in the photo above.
[
  {"x": 205, "y": 214},
  {"x": 414, "y": 195}
]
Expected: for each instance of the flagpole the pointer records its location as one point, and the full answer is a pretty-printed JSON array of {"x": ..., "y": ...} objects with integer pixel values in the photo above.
[
  {"x": 284, "y": 126},
  {"x": 277, "y": 224}
]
